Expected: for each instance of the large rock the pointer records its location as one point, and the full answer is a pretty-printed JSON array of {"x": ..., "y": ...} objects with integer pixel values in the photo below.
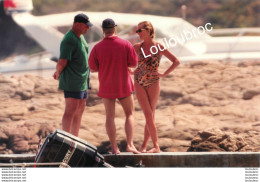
[
  {"x": 197, "y": 100},
  {"x": 195, "y": 96},
  {"x": 25, "y": 137},
  {"x": 216, "y": 140},
  {"x": 12, "y": 110},
  {"x": 25, "y": 88},
  {"x": 7, "y": 87},
  {"x": 250, "y": 93}
]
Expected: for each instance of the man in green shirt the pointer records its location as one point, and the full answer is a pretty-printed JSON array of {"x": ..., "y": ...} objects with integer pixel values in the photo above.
[{"x": 72, "y": 71}]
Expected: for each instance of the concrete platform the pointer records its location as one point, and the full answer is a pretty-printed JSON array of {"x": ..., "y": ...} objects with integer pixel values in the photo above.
[
  {"x": 16, "y": 158},
  {"x": 165, "y": 159},
  {"x": 187, "y": 159}
]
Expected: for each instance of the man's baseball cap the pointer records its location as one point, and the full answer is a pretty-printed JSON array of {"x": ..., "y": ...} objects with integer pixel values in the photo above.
[
  {"x": 82, "y": 18},
  {"x": 108, "y": 23}
]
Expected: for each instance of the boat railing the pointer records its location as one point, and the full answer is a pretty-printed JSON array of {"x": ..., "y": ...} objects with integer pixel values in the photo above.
[{"x": 32, "y": 164}]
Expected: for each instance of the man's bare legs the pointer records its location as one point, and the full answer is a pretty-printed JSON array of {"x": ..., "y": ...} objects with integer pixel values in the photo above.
[
  {"x": 72, "y": 115},
  {"x": 128, "y": 106},
  {"x": 110, "y": 123},
  {"x": 148, "y": 99},
  {"x": 77, "y": 117}
]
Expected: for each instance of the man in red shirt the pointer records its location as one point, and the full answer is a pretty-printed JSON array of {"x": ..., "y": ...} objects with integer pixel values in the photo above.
[{"x": 111, "y": 58}]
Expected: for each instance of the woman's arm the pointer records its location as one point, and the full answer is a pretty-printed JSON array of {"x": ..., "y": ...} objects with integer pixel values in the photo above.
[{"x": 173, "y": 59}]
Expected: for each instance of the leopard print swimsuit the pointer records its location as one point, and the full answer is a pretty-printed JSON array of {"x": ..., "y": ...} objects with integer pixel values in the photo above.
[{"x": 146, "y": 66}]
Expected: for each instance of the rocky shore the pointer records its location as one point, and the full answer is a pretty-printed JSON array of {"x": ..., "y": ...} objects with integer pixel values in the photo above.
[{"x": 204, "y": 106}]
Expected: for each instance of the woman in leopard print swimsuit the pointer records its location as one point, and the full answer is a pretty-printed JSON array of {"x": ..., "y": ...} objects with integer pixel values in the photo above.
[
  {"x": 146, "y": 68},
  {"x": 146, "y": 75}
]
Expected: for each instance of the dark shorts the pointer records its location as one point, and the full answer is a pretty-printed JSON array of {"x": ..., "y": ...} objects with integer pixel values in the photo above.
[
  {"x": 76, "y": 95},
  {"x": 125, "y": 97}
]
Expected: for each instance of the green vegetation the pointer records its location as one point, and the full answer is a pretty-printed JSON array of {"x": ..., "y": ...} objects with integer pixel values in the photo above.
[
  {"x": 221, "y": 13},
  {"x": 237, "y": 14}
]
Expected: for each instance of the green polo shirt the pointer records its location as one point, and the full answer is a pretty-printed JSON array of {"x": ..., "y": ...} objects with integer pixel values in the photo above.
[{"x": 74, "y": 75}]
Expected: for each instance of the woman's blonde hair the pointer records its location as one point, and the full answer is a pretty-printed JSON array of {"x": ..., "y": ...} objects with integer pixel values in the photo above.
[{"x": 148, "y": 26}]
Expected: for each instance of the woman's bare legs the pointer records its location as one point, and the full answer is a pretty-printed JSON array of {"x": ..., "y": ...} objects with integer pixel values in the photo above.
[
  {"x": 146, "y": 138},
  {"x": 148, "y": 99}
]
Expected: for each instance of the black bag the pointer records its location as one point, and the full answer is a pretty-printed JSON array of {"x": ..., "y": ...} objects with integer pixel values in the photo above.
[{"x": 61, "y": 146}]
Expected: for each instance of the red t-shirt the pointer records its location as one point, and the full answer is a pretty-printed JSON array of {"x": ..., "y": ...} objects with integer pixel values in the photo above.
[{"x": 112, "y": 57}]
